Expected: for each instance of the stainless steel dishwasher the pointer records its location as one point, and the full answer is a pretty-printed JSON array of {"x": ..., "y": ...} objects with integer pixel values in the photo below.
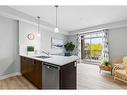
[{"x": 50, "y": 76}]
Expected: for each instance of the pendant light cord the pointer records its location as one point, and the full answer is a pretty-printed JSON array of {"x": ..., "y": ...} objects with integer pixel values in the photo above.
[
  {"x": 38, "y": 23},
  {"x": 56, "y": 15}
]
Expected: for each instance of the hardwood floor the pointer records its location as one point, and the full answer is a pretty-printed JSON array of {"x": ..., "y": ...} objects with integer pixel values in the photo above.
[
  {"x": 88, "y": 78},
  {"x": 17, "y": 82}
]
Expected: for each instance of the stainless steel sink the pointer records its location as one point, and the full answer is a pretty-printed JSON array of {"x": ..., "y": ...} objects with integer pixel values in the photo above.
[{"x": 43, "y": 57}]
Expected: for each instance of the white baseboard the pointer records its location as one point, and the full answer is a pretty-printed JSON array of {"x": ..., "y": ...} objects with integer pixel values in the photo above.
[{"x": 9, "y": 75}]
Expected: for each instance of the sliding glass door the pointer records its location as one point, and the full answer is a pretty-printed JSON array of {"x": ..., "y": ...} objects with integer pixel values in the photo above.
[{"x": 91, "y": 47}]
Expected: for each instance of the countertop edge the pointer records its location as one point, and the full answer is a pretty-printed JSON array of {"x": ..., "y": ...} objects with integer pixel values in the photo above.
[{"x": 54, "y": 63}]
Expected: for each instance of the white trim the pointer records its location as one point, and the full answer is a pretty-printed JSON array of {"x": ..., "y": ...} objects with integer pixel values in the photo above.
[
  {"x": 9, "y": 75},
  {"x": 112, "y": 25}
]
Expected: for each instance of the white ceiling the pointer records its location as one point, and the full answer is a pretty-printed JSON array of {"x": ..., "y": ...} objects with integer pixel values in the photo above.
[{"x": 76, "y": 17}]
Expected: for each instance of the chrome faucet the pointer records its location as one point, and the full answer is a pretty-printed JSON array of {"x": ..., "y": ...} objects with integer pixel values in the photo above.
[{"x": 47, "y": 53}]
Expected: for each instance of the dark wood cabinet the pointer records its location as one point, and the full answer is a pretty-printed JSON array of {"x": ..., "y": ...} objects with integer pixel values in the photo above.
[
  {"x": 32, "y": 70},
  {"x": 68, "y": 76},
  {"x": 37, "y": 79}
]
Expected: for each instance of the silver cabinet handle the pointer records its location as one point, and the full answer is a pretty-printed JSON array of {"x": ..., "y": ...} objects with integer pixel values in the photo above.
[
  {"x": 75, "y": 64},
  {"x": 48, "y": 67}
]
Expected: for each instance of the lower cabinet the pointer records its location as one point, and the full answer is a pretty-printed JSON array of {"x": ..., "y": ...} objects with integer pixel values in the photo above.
[
  {"x": 49, "y": 76},
  {"x": 32, "y": 70}
]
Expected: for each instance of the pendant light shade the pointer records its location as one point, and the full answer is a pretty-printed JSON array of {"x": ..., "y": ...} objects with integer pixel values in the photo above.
[
  {"x": 56, "y": 30},
  {"x": 38, "y": 33}
]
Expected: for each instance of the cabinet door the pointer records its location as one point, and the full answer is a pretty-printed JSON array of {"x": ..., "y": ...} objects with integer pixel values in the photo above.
[
  {"x": 32, "y": 70},
  {"x": 68, "y": 76},
  {"x": 37, "y": 73},
  {"x": 23, "y": 66},
  {"x": 30, "y": 67}
]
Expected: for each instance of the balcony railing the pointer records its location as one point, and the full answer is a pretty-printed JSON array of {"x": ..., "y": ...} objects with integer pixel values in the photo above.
[{"x": 92, "y": 54}]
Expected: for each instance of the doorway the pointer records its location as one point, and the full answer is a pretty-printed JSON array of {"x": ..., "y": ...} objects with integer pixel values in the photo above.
[{"x": 91, "y": 47}]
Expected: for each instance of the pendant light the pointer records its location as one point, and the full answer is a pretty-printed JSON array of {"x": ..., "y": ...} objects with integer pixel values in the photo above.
[
  {"x": 56, "y": 30},
  {"x": 38, "y": 34}
]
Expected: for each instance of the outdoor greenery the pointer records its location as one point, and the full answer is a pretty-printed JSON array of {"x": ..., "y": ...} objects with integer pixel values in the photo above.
[{"x": 93, "y": 50}]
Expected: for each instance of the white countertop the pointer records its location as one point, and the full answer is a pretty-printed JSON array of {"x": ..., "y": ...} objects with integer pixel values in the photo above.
[{"x": 54, "y": 59}]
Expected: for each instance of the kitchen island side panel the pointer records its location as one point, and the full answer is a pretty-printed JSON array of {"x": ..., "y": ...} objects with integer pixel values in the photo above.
[{"x": 68, "y": 76}]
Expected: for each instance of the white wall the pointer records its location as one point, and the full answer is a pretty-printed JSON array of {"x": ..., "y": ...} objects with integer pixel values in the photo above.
[
  {"x": 73, "y": 38},
  {"x": 42, "y": 43},
  {"x": 46, "y": 41},
  {"x": 9, "y": 62},
  {"x": 24, "y": 30},
  {"x": 117, "y": 41}
]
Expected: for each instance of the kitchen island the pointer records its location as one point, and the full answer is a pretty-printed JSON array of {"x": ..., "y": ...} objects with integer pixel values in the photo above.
[{"x": 50, "y": 72}]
